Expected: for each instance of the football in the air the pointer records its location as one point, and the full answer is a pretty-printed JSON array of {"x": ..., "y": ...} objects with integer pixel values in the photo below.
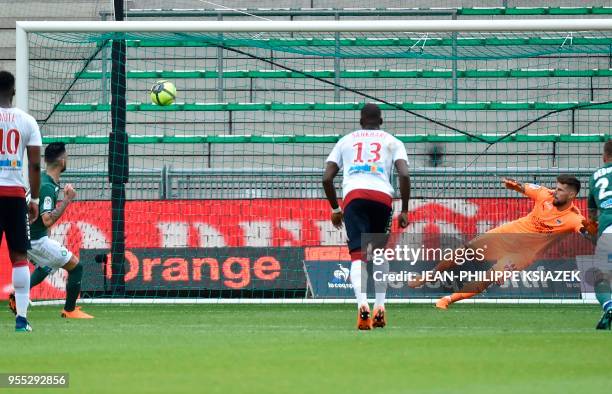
[{"x": 163, "y": 93}]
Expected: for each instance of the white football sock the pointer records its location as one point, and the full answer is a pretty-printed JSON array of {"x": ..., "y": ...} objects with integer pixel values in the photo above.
[
  {"x": 21, "y": 284},
  {"x": 380, "y": 300},
  {"x": 358, "y": 278},
  {"x": 380, "y": 283}
]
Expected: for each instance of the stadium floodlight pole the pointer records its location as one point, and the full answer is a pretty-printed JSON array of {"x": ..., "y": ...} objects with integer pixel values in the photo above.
[{"x": 431, "y": 26}]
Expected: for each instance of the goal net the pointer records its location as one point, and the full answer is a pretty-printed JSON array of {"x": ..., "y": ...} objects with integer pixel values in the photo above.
[{"x": 223, "y": 197}]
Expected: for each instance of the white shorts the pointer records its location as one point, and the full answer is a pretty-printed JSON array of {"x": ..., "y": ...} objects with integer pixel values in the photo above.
[{"x": 48, "y": 253}]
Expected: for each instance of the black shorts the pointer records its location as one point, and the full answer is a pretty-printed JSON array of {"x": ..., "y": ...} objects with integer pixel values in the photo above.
[
  {"x": 366, "y": 217},
  {"x": 14, "y": 223}
]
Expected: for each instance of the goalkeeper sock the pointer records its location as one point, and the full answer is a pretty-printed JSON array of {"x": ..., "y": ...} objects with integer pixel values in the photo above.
[
  {"x": 37, "y": 276},
  {"x": 462, "y": 296},
  {"x": 470, "y": 290},
  {"x": 604, "y": 294},
  {"x": 21, "y": 284},
  {"x": 73, "y": 287},
  {"x": 358, "y": 277}
]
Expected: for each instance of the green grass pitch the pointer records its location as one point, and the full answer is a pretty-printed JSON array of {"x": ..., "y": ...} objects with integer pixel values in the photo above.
[{"x": 315, "y": 349}]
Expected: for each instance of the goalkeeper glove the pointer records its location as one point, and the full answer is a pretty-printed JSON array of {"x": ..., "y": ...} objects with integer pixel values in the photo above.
[
  {"x": 590, "y": 227},
  {"x": 513, "y": 185}
]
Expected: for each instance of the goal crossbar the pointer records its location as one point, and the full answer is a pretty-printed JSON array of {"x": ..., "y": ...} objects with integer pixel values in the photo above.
[
  {"x": 422, "y": 26},
  {"x": 439, "y": 25}
]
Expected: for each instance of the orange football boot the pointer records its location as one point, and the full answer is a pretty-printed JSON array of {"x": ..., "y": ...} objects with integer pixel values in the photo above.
[
  {"x": 444, "y": 302},
  {"x": 77, "y": 313},
  {"x": 379, "y": 320},
  {"x": 364, "y": 318},
  {"x": 12, "y": 304}
]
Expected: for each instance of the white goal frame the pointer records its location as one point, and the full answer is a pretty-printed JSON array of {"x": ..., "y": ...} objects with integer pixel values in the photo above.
[{"x": 417, "y": 26}]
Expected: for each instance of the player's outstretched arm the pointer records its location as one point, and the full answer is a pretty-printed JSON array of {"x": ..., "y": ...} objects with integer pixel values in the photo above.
[
  {"x": 49, "y": 218},
  {"x": 404, "y": 185},
  {"x": 331, "y": 170},
  {"x": 512, "y": 184}
]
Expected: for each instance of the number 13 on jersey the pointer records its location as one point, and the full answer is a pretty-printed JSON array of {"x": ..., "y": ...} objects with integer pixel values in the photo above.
[{"x": 374, "y": 152}]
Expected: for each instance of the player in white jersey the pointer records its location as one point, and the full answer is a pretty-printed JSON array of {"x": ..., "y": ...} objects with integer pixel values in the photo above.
[
  {"x": 18, "y": 133},
  {"x": 367, "y": 157}
]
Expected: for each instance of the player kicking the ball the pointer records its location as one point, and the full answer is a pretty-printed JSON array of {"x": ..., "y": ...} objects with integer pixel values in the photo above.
[
  {"x": 47, "y": 254},
  {"x": 515, "y": 245},
  {"x": 367, "y": 157}
]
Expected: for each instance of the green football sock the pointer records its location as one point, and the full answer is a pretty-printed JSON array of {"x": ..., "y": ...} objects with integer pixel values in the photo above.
[
  {"x": 73, "y": 287},
  {"x": 37, "y": 276},
  {"x": 603, "y": 292}
]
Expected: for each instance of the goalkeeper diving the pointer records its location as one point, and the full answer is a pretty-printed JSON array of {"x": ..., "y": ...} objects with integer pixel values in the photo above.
[{"x": 514, "y": 246}]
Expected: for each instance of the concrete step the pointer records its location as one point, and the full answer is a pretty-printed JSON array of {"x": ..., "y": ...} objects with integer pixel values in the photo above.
[{"x": 53, "y": 9}]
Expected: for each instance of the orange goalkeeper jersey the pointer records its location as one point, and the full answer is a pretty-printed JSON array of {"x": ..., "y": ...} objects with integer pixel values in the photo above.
[
  {"x": 544, "y": 218},
  {"x": 523, "y": 239}
]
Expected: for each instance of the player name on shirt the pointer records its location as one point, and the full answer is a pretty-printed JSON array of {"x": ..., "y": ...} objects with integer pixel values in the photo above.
[
  {"x": 7, "y": 117},
  {"x": 602, "y": 172},
  {"x": 369, "y": 134}
]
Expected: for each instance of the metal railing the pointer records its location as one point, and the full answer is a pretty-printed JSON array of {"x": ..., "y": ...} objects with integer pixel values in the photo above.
[
  {"x": 145, "y": 184},
  {"x": 270, "y": 183}
]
